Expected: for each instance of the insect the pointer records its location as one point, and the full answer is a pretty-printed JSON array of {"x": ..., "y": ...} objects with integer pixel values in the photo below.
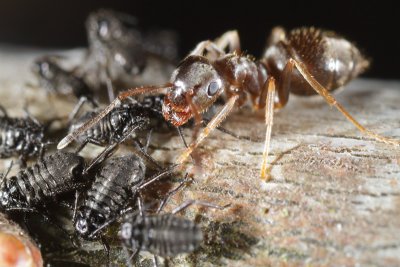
[
  {"x": 23, "y": 137},
  {"x": 31, "y": 188},
  {"x": 164, "y": 235},
  {"x": 55, "y": 79},
  {"x": 115, "y": 185},
  {"x": 305, "y": 61},
  {"x": 119, "y": 52}
]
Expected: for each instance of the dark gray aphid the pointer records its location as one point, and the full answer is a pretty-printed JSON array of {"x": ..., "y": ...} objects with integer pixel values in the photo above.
[
  {"x": 53, "y": 78},
  {"x": 164, "y": 235},
  {"x": 21, "y": 137},
  {"x": 31, "y": 188},
  {"x": 128, "y": 119},
  {"x": 111, "y": 192},
  {"x": 120, "y": 52}
]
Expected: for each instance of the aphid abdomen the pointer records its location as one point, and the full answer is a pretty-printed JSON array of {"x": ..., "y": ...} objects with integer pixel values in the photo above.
[
  {"x": 19, "y": 137},
  {"x": 168, "y": 235}
]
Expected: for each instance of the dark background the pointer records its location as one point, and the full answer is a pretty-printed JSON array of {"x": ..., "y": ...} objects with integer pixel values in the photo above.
[{"x": 374, "y": 27}]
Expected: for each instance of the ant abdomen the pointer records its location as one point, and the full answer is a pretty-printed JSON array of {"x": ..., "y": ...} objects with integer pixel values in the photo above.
[{"x": 331, "y": 59}]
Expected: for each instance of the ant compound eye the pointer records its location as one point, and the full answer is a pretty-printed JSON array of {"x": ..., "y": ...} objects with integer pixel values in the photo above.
[{"x": 213, "y": 88}]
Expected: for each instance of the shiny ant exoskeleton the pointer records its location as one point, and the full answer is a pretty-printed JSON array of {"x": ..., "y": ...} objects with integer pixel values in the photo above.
[{"x": 305, "y": 62}]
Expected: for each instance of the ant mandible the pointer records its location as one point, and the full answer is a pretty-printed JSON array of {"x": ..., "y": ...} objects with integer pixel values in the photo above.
[{"x": 306, "y": 61}]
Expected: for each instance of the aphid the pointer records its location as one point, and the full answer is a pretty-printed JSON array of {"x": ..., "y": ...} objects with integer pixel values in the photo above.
[
  {"x": 57, "y": 80},
  {"x": 23, "y": 137},
  {"x": 130, "y": 118},
  {"x": 119, "y": 52},
  {"x": 306, "y": 61},
  {"x": 164, "y": 235},
  {"x": 114, "y": 187},
  {"x": 31, "y": 188}
]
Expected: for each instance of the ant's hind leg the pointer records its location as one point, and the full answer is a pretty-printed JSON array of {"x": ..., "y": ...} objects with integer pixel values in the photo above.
[{"x": 332, "y": 101}]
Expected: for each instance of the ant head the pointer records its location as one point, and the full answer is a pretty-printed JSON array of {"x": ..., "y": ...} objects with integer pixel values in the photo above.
[
  {"x": 87, "y": 222},
  {"x": 196, "y": 85}
]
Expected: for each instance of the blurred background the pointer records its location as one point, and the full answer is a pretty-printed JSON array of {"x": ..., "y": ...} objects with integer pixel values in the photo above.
[{"x": 372, "y": 25}]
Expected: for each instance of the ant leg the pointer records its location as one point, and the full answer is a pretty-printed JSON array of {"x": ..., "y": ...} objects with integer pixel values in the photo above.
[
  {"x": 123, "y": 95},
  {"x": 226, "y": 131},
  {"x": 215, "y": 121},
  {"x": 277, "y": 34},
  {"x": 191, "y": 202},
  {"x": 172, "y": 193},
  {"x": 182, "y": 136},
  {"x": 332, "y": 101},
  {"x": 269, "y": 116},
  {"x": 229, "y": 39}
]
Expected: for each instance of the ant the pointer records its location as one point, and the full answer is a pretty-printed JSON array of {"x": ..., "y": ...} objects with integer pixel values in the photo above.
[{"x": 306, "y": 61}]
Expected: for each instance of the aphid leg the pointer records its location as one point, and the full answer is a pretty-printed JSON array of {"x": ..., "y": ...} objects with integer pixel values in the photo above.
[
  {"x": 106, "y": 153},
  {"x": 230, "y": 40},
  {"x": 157, "y": 177},
  {"x": 4, "y": 111},
  {"x": 332, "y": 101},
  {"x": 129, "y": 256},
  {"x": 76, "y": 201},
  {"x": 142, "y": 153},
  {"x": 172, "y": 193},
  {"x": 22, "y": 161},
  {"x": 269, "y": 116},
  {"x": 30, "y": 116},
  {"x": 191, "y": 202},
  {"x": 123, "y": 95},
  {"x": 109, "y": 85},
  {"x": 155, "y": 261},
  {"x": 106, "y": 247},
  {"x": 215, "y": 121},
  {"x": 77, "y": 108},
  {"x": 3, "y": 177},
  {"x": 88, "y": 140}
]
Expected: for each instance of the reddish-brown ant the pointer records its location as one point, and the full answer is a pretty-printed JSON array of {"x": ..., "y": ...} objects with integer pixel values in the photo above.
[{"x": 305, "y": 62}]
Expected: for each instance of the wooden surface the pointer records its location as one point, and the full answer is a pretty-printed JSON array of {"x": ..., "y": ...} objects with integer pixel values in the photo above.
[{"x": 334, "y": 197}]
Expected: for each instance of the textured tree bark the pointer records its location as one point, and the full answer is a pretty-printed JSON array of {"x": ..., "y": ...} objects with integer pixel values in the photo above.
[{"x": 334, "y": 196}]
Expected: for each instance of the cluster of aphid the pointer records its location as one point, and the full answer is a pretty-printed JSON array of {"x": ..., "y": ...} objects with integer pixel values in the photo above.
[{"x": 306, "y": 61}]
